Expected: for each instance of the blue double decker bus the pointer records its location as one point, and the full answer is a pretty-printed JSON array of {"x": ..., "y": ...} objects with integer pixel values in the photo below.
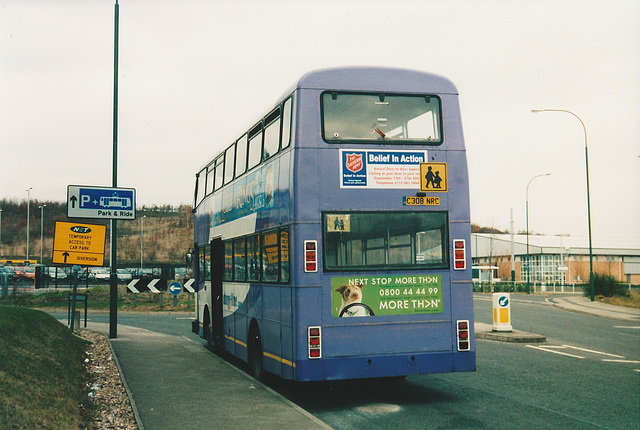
[{"x": 332, "y": 237}]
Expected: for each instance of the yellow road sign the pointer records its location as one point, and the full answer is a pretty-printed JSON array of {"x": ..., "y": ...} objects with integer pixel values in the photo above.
[
  {"x": 76, "y": 243},
  {"x": 433, "y": 177}
]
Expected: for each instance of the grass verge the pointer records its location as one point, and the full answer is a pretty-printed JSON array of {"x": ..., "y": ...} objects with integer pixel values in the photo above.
[{"x": 42, "y": 376}]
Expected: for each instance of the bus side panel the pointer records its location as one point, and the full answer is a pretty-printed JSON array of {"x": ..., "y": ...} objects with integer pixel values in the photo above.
[
  {"x": 307, "y": 313},
  {"x": 460, "y": 228},
  {"x": 270, "y": 330},
  {"x": 452, "y": 124},
  {"x": 286, "y": 295}
]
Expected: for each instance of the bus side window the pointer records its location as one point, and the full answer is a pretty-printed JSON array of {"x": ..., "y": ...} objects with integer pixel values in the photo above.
[
  {"x": 229, "y": 163},
  {"x": 270, "y": 257},
  {"x": 255, "y": 147},
  {"x": 239, "y": 260},
  {"x": 210, "y": 176},
  {"x": 228, "y": 261},
  {"x": 284, "y": 255},
  {"x": 271, "y": 135},
  {"x": 241, "y": 156},
  {"x": 253, "y": 258},
  {"x": 219, "y": 172},
  {"x": 286, "y": 124}
]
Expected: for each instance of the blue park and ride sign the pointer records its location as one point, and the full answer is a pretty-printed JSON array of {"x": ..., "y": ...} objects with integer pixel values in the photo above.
[{"x": 100, "y": 202}]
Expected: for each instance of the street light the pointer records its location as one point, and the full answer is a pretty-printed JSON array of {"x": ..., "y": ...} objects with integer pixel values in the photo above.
[
  {"x": 41, "y": 229},
  {"x": 0, "y": 231},
  {"x": 586, "y": 161},
  {"x": 28, "y": 204},
  {"x": 527, "y": 201}
]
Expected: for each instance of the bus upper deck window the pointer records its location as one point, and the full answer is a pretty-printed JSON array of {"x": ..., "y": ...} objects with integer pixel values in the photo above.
[{"x": 381, "y": 118}]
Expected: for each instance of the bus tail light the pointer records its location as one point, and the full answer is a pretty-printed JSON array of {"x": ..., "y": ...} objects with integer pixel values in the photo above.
[
  {"x": 464, "y": 343},
  {"x": 314, "y": 342},
  {"x": 459, "y": 255},
  {"x": 310, "y": 256}
]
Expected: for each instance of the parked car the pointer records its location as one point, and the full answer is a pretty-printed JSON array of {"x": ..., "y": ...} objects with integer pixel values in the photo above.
[
  {"x": 123, "y": 275},
  {"x": 28, "y": 274},
  {"x": 56, "y": 273},
  {"x": 100, "y": 274},
  {"x": 8, "y": 272}
]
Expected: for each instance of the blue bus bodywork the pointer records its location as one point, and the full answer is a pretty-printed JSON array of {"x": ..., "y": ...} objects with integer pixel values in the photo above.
[{"x": 322, "y": 191}]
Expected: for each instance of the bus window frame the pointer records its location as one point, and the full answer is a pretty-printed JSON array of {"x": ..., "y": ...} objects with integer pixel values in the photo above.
[
  {"x": 274, "y": 119},
  {"x": 445, "y": 236},
  {"x": 255, "y": 137},
  {"x": 399, "y": 142}
]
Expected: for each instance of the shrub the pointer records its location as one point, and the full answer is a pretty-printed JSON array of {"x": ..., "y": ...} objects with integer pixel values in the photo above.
[{"x": 606, "y": 285}]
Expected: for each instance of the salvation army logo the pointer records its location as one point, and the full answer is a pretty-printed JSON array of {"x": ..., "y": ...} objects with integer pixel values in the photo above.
[{"x": 354, "y": 162}]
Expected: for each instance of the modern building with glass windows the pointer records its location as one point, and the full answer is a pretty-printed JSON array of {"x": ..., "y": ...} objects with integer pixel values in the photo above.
[{"x": 553, "y": 260}]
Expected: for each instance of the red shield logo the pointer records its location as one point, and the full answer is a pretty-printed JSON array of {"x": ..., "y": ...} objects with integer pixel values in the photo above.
[{"x": 354, "y": 162}]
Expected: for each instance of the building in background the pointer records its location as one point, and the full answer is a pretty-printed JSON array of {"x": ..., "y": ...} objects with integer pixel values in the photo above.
[{"x": 555, "y": 260}]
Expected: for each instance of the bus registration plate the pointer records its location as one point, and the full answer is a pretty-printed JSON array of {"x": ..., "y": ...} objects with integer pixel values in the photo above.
[{"x": 421, "y": 201}]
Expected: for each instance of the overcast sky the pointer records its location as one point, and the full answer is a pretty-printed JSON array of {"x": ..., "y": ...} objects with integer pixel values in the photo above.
[{"x": 194, "y": 74}]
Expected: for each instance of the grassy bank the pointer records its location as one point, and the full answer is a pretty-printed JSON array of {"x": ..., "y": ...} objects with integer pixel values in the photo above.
[
  {"x": 98, "y": 299},
  {"x": 42, "y": 377}
]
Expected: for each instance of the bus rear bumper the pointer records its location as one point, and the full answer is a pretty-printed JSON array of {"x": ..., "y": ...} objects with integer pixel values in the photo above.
[{"x": 384, "y": 366}]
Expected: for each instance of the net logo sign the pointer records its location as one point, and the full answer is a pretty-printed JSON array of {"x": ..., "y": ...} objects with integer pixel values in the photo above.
[{"x": 99, "y": 202}]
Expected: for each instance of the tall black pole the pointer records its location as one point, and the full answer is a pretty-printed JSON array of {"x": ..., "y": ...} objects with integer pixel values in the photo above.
[{"x": 113, "y": 292}]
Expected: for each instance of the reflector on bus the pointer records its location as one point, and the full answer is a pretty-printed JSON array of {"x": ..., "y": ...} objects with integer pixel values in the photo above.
[
  {"x": 310, "y": 256},
  {"x": 463, "y": 335},
  {"x": 314, "y": 342},
  {"x": 459, "y": 254}
]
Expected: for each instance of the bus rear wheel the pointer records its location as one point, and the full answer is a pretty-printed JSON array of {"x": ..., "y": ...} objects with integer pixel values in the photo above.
[{"x": 256, "y": 368}]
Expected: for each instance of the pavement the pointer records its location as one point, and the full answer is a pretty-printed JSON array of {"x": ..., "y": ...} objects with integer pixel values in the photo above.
[{"x": 175, "y": 383}]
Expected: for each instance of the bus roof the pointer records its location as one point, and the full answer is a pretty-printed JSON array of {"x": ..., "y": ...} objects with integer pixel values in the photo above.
[{"x": 376, "y": 79}]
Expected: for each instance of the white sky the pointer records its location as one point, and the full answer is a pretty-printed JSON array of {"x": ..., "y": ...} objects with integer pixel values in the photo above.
[{"x": 195, "y": 73}]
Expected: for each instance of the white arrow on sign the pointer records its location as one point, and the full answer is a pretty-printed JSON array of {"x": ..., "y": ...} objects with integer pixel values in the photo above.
[
  {"x": 132, "y": 286},
  {"x": 152, "y": 286},
  {"x": 188, "y": 286},
  {"x": 175, "y": 288}
]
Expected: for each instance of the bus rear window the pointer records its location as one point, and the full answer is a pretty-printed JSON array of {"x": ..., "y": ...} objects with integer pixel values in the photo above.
[
  {"x": 381, "y": 118},
  {"x": 362, "y": 241}
]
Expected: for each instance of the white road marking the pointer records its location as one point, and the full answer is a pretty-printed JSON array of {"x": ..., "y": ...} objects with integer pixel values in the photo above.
[
  {"x": 546, "y": 349},
  {"x": 621, "y": 361},
  {"x": 633, "y": 327},
  {"x": 594, "y": 352}
]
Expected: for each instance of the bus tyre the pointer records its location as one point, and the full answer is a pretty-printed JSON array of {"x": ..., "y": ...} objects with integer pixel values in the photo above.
[
  {"x": 255, "y": 354},
  {"x": 206, "y": 326}
]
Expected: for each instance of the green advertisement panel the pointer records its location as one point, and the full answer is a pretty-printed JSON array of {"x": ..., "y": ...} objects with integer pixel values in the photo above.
[{"x": 386, "y": 295}]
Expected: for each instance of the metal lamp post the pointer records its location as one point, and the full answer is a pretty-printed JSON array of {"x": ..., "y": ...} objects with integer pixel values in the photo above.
[
  {"x": 41, "y": 229},
  {"x": 586, "y": 160},
  {"x": 28, "y": 204},
  {"x": 527, "y": 216}
]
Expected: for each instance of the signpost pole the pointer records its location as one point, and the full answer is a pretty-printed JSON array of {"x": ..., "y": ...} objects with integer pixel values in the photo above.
[
  {"x": 76, "y": 279},
  {"x": 113, "y": 292}
]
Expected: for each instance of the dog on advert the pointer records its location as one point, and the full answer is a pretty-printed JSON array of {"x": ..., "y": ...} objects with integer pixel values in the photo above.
[{"x": 351, "y": 294}]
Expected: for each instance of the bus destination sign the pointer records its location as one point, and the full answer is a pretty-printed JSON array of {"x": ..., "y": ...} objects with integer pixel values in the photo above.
[{"x": 100, "y": 202}]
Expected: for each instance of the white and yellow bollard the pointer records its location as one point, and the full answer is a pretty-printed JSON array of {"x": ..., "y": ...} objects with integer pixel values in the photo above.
[{"x": 502, "y": 312}]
